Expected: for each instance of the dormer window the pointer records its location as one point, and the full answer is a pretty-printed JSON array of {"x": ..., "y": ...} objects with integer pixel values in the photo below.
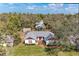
[{"x": 40, "y": 38}]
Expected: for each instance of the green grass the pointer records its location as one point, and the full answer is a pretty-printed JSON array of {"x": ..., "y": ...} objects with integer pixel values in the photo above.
[
  {"x": 33, "y": 50},
  {"x": 28, "y": 50}
]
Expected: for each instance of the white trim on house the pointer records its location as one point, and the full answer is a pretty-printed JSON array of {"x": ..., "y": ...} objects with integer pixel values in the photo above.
[{"x": 27, "y": 42}]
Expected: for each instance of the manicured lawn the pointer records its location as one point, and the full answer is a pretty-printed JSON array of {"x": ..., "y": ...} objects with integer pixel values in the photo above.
[
  {"x": 28, "y": 50},
  {"x": 33, "y": 50}
]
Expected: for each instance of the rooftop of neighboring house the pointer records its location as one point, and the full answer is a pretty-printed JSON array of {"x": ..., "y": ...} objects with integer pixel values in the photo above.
[
  {"x": 26, "y": 29},
  {"x": 35, "y": 34},
  {"x": 9, "y": 38}
]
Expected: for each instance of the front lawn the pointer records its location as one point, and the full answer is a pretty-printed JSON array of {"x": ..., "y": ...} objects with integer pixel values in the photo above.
[
  {"x": 28, "y": 50},
  {"x": 33, "y": 50}
]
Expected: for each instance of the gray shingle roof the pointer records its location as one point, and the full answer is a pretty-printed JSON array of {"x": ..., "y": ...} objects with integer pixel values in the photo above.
[{"x": 34, "y": 34}]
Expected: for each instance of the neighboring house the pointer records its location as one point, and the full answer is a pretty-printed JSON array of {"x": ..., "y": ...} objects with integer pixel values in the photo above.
[
  {"x": 72, "y": 39},
  {"x": 9, "y": 40},
  {"x": 25, "y": 30},
  {"x": 37, "y": 37},
  {"x": 77, "y": 44}
]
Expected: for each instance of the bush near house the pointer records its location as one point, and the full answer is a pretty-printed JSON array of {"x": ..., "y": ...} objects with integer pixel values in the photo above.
[{"x": 2, "y": 51}]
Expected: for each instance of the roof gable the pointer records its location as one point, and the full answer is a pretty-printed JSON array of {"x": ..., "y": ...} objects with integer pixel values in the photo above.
[{"x": 34, "y": 34}]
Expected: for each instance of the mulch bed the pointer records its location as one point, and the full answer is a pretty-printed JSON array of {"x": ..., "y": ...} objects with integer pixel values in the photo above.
[{"x": 52, "y": 46}]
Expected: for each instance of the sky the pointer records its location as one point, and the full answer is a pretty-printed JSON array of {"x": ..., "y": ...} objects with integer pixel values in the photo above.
[{"x": 40, "y": 8}]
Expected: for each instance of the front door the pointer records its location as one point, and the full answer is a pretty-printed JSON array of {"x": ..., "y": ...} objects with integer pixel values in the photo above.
[
  {"x": 40, "y": 40},
  {"x": 30, "y": 41}
]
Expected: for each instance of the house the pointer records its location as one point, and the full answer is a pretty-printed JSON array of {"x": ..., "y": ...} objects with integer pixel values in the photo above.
[
  {"x": 38, "y": 37},
  {"x": 9, "y": 40}
]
